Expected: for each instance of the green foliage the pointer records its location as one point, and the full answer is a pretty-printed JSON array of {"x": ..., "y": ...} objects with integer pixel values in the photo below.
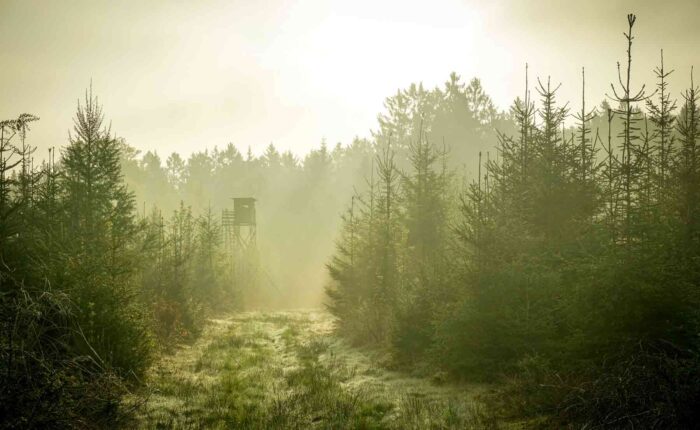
[
  {"x": 69, "y": 332},
  {"x": 567, "y": 269},
  {"x": 392, "y": 251},
  {"x": 86, "y": 289},
  {"x": 184, "y": 272},
  {"x": 101, "y": 254}
]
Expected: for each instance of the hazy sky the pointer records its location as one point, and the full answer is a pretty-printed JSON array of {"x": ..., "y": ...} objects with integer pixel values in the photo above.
[{"x": 186, "y": 75}]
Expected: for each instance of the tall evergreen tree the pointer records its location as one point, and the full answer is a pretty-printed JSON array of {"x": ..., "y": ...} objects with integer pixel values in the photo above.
[{"x": 102, "y": 262}]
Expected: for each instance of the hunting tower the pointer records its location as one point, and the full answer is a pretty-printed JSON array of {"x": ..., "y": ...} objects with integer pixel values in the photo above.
[
  {"x": 240, "y": 237},
  {"x": 239, "y": 225}
]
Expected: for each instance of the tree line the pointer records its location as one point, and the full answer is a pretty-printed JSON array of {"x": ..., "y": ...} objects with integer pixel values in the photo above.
[
  {"x": 90, "y": 290},
  {"x": 109, "y": 257},
  {"x": 566, "y": 270},
  {"x": 558, "y": 260}
]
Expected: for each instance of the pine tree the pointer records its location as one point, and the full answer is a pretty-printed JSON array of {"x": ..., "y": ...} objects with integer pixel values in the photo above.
[
  {"x": 629, "y": 162},
  {"x": 209, "y": 269},
  {"x": 14, "y": 189},
  {"x": 423, "y": 191},
  {"x": 585, "y": 157},
  {"x": 661, "y": 115},
  {"x": 100, "y": 229},
  {"x": 424, "y": 202},
  {"x": 688, "y": 170}
]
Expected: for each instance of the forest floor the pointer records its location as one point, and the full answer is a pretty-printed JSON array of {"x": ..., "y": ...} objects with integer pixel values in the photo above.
[{"x": 280, "y": 370}]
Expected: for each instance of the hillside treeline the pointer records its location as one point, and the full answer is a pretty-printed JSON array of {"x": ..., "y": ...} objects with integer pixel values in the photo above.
[{"x": 566, "y": 271}]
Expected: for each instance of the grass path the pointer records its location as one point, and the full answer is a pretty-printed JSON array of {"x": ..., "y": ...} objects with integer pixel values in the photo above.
[{"x": 285, "y": 370}]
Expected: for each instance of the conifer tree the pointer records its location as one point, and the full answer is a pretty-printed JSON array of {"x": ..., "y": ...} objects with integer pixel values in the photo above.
[
  {"x": 688, "y": 170},
  {"x": 661, "y": 115},
  {"x": 585, "y": 158},
  {"x": 100, "y": 228},
  {"x": 629, "y": 157},
  {"x": 209, "y": 271}
]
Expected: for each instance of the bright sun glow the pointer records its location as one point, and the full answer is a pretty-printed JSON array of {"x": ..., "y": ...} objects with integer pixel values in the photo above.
[{"x": 182, "y": 77}]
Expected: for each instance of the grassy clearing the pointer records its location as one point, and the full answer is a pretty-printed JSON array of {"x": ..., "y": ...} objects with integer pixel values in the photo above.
[{"x": 286, "y": 370}]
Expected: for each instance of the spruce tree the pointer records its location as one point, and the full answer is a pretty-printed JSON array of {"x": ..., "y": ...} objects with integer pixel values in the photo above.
[
  {"x": 688, "y": 170},
  {"x": 100, "y": 227}
]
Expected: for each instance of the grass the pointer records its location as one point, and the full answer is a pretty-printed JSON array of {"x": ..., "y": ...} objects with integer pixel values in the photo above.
[{"x": 286, "y": 370}]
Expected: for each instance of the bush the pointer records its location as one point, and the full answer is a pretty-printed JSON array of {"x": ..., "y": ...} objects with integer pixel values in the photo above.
[{"x": 44, "y": 381}]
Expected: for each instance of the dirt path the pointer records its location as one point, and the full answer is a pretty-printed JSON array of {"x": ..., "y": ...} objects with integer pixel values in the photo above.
[{"x": 286, "y": 370}]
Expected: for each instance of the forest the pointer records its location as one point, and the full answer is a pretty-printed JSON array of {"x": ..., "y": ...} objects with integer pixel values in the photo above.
[{"x": 462, "y": 266}]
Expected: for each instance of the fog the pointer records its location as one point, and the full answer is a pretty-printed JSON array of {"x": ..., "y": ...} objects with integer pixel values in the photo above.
[
  {"x": 388, "y": 215},
  {"x": 187, "y": 77},
  {"x": 184, "y": 76}
]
